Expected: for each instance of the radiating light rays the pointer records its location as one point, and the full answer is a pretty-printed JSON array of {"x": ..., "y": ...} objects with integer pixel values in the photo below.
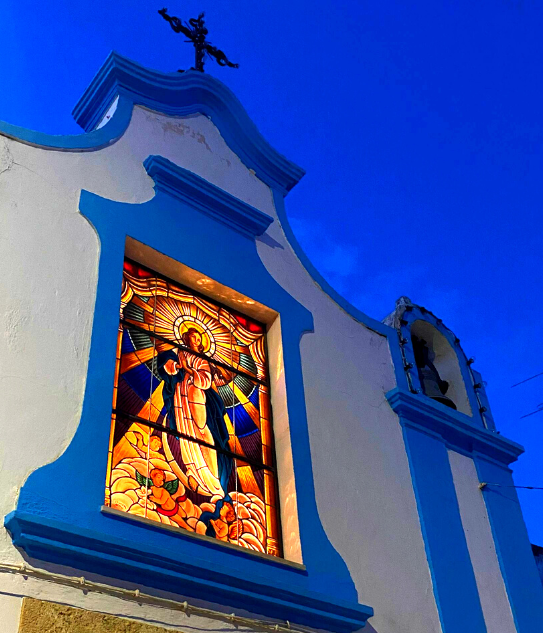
[
  {"x": 153, "y": 407},
  {"x": 247, "y": 404},
  {"x": 133, "y": 359}
]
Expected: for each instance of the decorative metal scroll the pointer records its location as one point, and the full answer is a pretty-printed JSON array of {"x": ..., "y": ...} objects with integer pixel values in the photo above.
[{"x": 196, "y": 32}]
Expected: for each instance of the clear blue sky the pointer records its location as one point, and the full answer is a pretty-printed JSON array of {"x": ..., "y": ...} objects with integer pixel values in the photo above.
[{"x": 420, "y": 127}]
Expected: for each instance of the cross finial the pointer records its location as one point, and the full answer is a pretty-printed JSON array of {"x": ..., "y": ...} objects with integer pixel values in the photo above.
[{"x": 196, "y": 31}]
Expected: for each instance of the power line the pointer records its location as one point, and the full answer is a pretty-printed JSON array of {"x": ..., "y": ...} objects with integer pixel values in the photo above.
[
  {"x": 526, "y": 380},
  {"x": 144, "y": 598},
  {"x": 538, "y": 410},
  {"x": 484, "y": 484}
]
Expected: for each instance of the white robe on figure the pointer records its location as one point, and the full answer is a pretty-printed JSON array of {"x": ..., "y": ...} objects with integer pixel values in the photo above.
[{"x": 190, "y": 419}]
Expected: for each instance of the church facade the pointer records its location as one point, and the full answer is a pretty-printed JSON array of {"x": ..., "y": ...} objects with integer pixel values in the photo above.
[{"x": 198, "y": 432}]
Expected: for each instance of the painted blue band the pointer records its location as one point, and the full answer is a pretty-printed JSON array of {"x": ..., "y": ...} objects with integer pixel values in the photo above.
[
  {"x": 65, "y": 544},
  {"x": 517, "y": 563},
  {"x": 455, "y": 429},
  {"x": 453, "y": 579},
  {"x": 175, "y": 94},
  {"x": 430, "y": 429}
]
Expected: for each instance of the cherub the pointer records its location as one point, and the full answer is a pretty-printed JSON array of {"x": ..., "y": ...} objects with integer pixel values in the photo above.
[
  {"x": 166, "y": 496},
  {"x": 220, "y": 525},
  {"x": 240, "y": 521},
  {"x": 155, "y": 444},
  {"x": 226, "y": 527}
]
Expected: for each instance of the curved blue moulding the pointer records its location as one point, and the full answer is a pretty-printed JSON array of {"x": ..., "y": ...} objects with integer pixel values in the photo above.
[{"x": 175, "y": 94}]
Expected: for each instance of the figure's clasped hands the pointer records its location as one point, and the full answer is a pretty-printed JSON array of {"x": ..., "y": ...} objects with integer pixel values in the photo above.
[{"x": 184, "y": 363}]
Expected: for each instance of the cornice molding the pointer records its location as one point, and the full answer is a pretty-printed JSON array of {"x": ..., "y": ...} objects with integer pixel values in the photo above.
[
  {"x": 456, "y": 429},
  {"x": 54, "y": 541},
  {"x": 206, "y": 197},
  {"x": 173, "y": 94}
]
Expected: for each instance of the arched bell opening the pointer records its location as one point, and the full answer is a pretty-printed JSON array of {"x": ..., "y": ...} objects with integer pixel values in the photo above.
[{"x": 438, "y": 367}]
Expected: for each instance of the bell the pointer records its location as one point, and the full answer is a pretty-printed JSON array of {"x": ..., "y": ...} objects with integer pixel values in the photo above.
[
  {"x": 430, "y": 380},
  {"x": 434, "y": 387}
]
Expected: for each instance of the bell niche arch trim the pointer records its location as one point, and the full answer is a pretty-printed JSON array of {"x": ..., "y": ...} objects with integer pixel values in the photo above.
[
  {"x": 435, "y": 365},
  {"x": 320, "y": 593}
]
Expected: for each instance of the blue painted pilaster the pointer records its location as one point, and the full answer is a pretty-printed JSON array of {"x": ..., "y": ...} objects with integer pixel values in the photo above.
[
  {"x": 455, "y": 589},
  {"x": 512, "y": 543}
]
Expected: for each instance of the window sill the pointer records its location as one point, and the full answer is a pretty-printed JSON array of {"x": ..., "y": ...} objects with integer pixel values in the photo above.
[{"x": 242, "y": 551}]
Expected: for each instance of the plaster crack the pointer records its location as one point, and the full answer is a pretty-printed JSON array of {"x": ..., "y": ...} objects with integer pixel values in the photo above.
[
  {"x": 6, "y": 159},
  {"x": 40, "y": 176}
]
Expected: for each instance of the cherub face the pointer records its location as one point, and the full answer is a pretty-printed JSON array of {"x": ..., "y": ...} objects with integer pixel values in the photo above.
[
  {"x": 158, "y": 477},
  {"x": 227, "y": 513}
]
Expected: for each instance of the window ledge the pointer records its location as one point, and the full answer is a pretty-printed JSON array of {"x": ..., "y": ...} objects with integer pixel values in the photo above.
[{"x": 276, "y": 591}]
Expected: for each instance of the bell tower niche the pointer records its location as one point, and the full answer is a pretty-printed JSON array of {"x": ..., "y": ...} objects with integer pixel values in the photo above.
[
  {"x": 431, "y": 382},
  {"x": 438, "y": 367},
  {"x": 433, "y": 361}
]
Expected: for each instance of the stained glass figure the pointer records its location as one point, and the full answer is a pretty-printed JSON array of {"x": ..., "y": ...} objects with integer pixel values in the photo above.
[{"x": 191, "y": 441}]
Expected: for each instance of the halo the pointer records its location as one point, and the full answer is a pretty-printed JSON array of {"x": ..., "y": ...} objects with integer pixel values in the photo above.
[{"x": 185, "y": 322}]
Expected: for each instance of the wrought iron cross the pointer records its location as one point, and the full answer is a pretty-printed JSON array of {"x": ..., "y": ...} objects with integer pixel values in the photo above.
[{"x": 196, "y": 32}]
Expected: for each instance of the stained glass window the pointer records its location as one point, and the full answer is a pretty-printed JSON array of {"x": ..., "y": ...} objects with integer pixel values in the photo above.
[{"x": 191, "y": 441}]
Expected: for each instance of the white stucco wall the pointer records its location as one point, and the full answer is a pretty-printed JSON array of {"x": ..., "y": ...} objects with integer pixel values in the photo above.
[
  {"x": 364, "y": 492},
  {"x": 10, "y": 610},
  {"x": 492, "y": 593}
]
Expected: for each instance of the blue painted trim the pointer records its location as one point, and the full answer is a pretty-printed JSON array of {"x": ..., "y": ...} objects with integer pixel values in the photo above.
[
  {"x": 194, "y": 190},
  {"x": 513, "y": 549},
  {"x": 429, "y": 429},
  {"x": 453, "y": 579},
  {"x": 80, "y": 535},
  {"x": 97, "y": 139},
  {"x": 59, "y": 543},
  {"x": 455, "y": 429},
  {"x": 174, "y": 94},
  {"x": 487, "y": 416},
  {"x": 182, "y": 94}
]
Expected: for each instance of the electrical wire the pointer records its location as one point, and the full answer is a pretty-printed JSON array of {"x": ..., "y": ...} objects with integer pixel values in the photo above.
[
  {"x": 526, "y": 380},
  {"x": 143, "y": 598},
  {"x": 484, "y": 484}
]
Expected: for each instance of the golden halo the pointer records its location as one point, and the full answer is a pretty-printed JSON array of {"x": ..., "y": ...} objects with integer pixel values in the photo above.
[{"x": 185, "y": 322}]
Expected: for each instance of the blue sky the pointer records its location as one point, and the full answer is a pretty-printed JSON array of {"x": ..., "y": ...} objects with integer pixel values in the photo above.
[{"x": 419, "y": 124}]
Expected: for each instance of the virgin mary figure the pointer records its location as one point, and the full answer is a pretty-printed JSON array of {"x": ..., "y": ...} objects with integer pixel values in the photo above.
[{"x": 197, "y": 411}]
